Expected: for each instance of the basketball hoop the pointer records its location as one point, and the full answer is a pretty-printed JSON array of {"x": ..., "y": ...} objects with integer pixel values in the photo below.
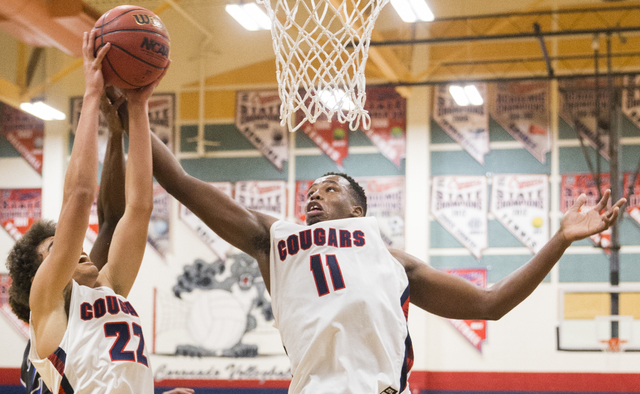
[
  {"x": 613, "y": 345},
  {"x": 321, "y": 49}
]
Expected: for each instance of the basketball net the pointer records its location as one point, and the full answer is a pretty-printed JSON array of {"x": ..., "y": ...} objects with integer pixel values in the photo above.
[
  {"x": 321, "y": 49},
  {"x": 613, "y": 344}
]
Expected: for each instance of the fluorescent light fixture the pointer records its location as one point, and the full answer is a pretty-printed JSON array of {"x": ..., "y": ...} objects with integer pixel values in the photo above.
[
  {"x": 334, "y": 98},
  {"x": 413, "y": 10},
  {"x": 473, "y": 95},
  {"x": 42, "y": 111},
  {"x": 457, "y": 92},
  {"x": 249, "y": 15}
]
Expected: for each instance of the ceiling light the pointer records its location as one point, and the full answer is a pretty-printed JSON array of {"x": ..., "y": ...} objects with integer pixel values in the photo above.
[
  {"x": 457, "y": 92},
  {"x": 42, "y": 111},
  {"x": 334, "y": 98},
  {"x": 473, "y": 95},
  {"x": 413, "y": 10},
  {"x": 249, "y": 15}
]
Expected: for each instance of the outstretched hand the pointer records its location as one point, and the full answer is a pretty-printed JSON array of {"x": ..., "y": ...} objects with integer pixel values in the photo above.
[
  {"x": 143, "y": 94},
  {"x": 110, "y": 104},
  {"x": 93, "y": 63},
  {"x": 576, "y": 225}
]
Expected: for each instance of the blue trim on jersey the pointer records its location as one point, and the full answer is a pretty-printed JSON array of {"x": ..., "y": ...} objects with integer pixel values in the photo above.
[{"x": 408, "y": 346}]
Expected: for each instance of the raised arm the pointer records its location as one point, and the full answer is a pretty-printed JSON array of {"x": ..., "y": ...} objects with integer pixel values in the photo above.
[
  {"x": 245, "y": 229},
  {"x": 79, "y": 190},
  {"x": 453, "y": 297},
  {"x": 111, "y": 200}
]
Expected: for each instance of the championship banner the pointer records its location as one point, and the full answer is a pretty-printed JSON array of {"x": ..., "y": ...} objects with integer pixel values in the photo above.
[
  {"x": 474, "y": 331},
  {"x": 386, "y": 201},
  {"x": 468, "y": 126},
  {"x": 331, "y": 136},
  {"x": 522, "y": 109},
  {"x": 521, "y": 204},
  {"x": 19, "y": 209},
  {"x": 631, "y": 99},
  {"x": 388, "y": 112},
  {"x": 633, "y": 200},
  {"x": 5, "y": 309},
  {"x": 26, "y": 133},
  {"x": 268, "y": 197},
  {"x": 158, "y": 234},
  {"x": 573, "y": 186},
  {"x": 300, "y": 210},
  {"x": 218, "y": 245},
  {"x": 459, "y": 204},
  {"x": 258, "y": 119},
  {"x": 161, "y": 120},
  {"x": 578, "y": 108}
]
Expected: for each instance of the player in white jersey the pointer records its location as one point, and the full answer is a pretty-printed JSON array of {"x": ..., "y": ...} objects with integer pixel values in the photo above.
[
  {"x": 319, "y": 332},
  {"x": 79, "y": 317}
]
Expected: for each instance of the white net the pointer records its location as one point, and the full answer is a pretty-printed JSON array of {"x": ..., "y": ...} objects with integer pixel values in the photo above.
[{"x": 321, "y": 49}]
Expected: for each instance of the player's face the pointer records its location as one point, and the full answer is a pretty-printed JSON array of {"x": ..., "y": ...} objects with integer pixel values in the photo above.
[
  {"x": 329, "y": 198},
  {"x": 86, "y": 272}
]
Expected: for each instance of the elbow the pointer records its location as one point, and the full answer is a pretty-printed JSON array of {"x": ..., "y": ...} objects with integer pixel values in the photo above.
[
  {"x": 140, "y": 209},
  {"x": 80, "y": 195}
]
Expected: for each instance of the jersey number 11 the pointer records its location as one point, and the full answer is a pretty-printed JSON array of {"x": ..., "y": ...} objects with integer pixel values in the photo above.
[{"x": 321, "y": 279}]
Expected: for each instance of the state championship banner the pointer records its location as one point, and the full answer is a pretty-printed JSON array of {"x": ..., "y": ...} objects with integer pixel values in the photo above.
[
  {"x": 632, "y": 193},
  {"x": 161, "y": 120},
  {"x": 218, "y": 245},
  {"x": 576, "y": 184},
  {"x": 5, "y": 309},
  {"x": 258, "y": 119},
  {"x": 474, "y": 331},
  {"x": 521, "y": 204},
  {"x": 522, "y": 109},
  {"x": 158, "y": 234},
  {"x": 579, "y": 108},
  {"x": 631, "y": 99},
  {"x": 468, "y": 125},
  {"x": 388, "y": 112},
  {"x": 268, "y": 197},
  {"x": 26, "y": 133},
  {"x": 459, "y": 204},
  {"x": 19, "y": 209},
  {"x": 386, "y": 202},
  {"x": 331, "y": 136}
]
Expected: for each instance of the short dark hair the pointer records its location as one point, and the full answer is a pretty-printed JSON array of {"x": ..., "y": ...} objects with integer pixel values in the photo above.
[
  {"x": 357, "y": 192},
  {"x": 23, "y": 262}
]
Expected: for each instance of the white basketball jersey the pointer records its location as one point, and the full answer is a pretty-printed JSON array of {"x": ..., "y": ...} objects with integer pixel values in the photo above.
[
  {"x": 340, "y": 301},
  {"x": 102, "y": 351}
]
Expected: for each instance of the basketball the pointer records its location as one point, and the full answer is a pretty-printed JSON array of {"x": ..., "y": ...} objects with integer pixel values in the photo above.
[{"x": 139, "y": 46}]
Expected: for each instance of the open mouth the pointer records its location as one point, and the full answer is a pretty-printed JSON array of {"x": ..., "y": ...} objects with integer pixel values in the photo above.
[{"x": 313, "y": 208}]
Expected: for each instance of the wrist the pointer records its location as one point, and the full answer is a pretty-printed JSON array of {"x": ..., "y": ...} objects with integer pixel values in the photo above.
[
  {"x": 561, "y": 237},
  {"x": 92, "y": 93}
]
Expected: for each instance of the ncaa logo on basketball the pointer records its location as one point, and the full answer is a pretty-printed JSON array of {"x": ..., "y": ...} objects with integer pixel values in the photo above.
[
  {"x": 154, "y": 46},
  {"x": 143, "y": 19}
]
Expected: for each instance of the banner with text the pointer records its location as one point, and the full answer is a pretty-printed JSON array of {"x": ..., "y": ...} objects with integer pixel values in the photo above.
[
  {"x": 580, "y": 109},
  {"x": 633, "y": 198},
  {"x": 300, "y": 210},
  {"x": 474, "y": 331},
  {"x": 258, "y": 119},
  {"x": 521, "y": 203},
  {"x": 386, "y": 202},
  {"x": 19, "y": 209},
  {"x": 268, "y": 197},
  {"x": 159, "y": 224},
  {"x": 5, "y": 309},
  {"x": 631, "y": 99},
  {"x": 218, "y": 245},
  {"x": 468, "y": 125},
  {"x": 388, "y": 112},
  {"x": 331, "y": 136},
  {"x": 459, "y": 204},
  {"x": 575, "y": 184},
  {"x": 26, "y": 133},
  {"x": 522, "y": 109}
]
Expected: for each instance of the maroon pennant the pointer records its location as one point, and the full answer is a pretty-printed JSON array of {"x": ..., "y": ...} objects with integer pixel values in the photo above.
[{"x": 388, "y": 111}]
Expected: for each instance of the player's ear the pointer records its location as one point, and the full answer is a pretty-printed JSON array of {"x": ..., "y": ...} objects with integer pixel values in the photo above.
[{"x": 357, "y": 211}]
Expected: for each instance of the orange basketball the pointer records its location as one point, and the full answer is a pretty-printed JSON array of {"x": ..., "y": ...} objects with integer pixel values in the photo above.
[{"x": 139, "y": 46}]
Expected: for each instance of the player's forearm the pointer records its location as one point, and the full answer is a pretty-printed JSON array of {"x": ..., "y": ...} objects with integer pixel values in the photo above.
[
  {"x": 111, "y": 201},
  {"x": 139, "y": 171},
  {"x": 166, "y": 168}
]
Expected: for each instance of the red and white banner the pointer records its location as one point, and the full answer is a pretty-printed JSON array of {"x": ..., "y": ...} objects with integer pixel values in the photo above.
[
  {"x": 633, "y": 200},
  {"x": 631, "y": 99},
  {"x": 268, "y": 197},
  {"x": 576, "y": 184},
  {"x": 521, "y": 204},
  {"x": 159, "y": 224},
  {"x": 468, "y": 125},
  {"x": 474, "y": 331},
  {"x": 522, "y": 109},
  {"x": 161, "y": 120},
  {"x": 386, "y": 201},
  {"x": 26, "y": 133},
  {"x": 19, "y": 209},
  {"x": 331, "y": 136},
  {"x": 300, "y": 210},
  {"x": 459, "y": 204},
  {"x": 388, "y": 112},
  {"x": 5, "y": 309},
  {"x": 258, "y": 119},
  {"x": 218, "y": 245},
  {"x": 578, "y": 108}
]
